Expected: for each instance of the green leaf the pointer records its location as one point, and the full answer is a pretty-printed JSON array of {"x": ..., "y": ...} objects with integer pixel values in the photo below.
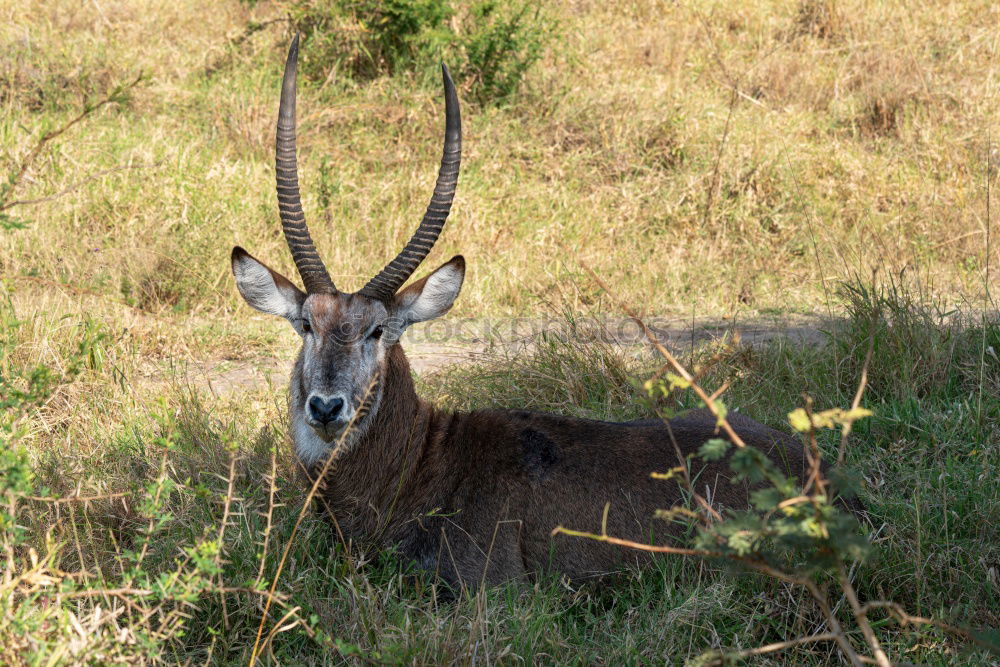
[
  {"x": 799, "y": 420},
  {"x": 856, "y": 414},
  {"x": 9, "y": 223},
  {"x": 721, "y": 412},
  {"x": 742, "y": 542},
  {"x": 677, "y": 382},
  {"x": 988, "y": 638},
  {"x": 766, "y": 500},
  {"x": 714, "y": 449},
  {"x": 847, "y": 481},
  {"x": 749, "y": 463}
]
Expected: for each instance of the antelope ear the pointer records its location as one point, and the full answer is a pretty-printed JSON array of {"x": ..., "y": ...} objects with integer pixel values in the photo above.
[
  {"x": 266, "y": 290},
  {"x": 433, "y": 295}
]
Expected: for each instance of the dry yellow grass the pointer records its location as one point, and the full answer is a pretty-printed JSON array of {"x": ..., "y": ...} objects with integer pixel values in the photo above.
[{"x": 703, "y": 158}]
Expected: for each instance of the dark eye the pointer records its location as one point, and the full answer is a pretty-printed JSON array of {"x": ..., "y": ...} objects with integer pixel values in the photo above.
[
  {"x": 376, "y": 333},
  {"x": 306, "y": 327}
]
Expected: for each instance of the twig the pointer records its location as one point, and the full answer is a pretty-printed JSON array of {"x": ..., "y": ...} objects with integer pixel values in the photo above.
[
  {"x": 905, "y": 618},
  {"x": 862, "y": 618},
  {"x": 222, "y": 532},
  {"x": 78, "y": 184},
  {"x": 110, "y": 592},
  {"x": 15, "y": 178},
  {"x": 653, "y": 548},
  {"x": 280, "y": 625},
  {"x": 272, "y": 486},
  {"x": 836, "y": 633},
  {"x": 862, "y": 384},
  {"x": 831, "y": 620},
  {"x": 155, "y": 502},
  {"x": 666, "y": 354},
  {"x": 714, "y": 184},
  {"x": 686, "y": 475},
  {"x": 76, "y": 499},
  {"x": 813, "y": 455},
  {"x": 76, "y": 289},
  {"x": 251, "y": 28},
  {"x": 320, "y": 478},
  {"x": 733, "y": 83},
  {"x": 757, "y": 565},
  {"x": 986, "y": 283},
  {"x": 734, "y": 88},
  {"x": 781, "y": 646},
  {"x": 721, "y": 390},
  {"x": 145, "y": 592}
]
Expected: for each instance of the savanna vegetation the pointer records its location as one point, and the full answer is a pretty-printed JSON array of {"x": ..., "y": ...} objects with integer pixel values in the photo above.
[{"x": 704, "y": 160}]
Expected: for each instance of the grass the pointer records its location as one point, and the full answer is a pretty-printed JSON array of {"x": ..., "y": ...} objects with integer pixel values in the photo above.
[
  {"x": 858, "y": 143},
  {"x": 729, "y": 158},
  {"x": 927, "y": 457}
]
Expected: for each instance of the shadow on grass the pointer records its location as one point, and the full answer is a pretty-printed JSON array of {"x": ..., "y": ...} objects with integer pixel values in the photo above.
[{"x": 928, "y": 458}]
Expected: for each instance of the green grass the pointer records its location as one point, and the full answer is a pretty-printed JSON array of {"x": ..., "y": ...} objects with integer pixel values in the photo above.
[{"x": 928, "y": 458}]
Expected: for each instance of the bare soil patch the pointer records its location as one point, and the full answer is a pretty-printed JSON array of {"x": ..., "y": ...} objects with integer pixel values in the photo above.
[{"x": 475, "y": 341}]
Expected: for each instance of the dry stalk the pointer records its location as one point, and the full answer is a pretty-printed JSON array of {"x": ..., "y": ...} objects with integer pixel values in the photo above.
[
  {"x": 75, "y": 289},
  {"x": 222, "y": 532},
  {"x": 686, "y": 477},
  {"x": 813, "y": 454},
  {"x": 862, "y": 384},
  {"x": 29, "y": 159},
  {"x": 781, "y": 646},
  {"x": 269, "y": 516},
  {"x": 152, "y": 520},
  {"x": 861, "y": 615},
  {"x": 904, "y": 618},
  {"x": 232, "y": 43},
  {"x": 76, "y": 499},
  {"x": 331, "y": 457},
  {"x": 77, "y": 185},
  {"x": 831, "y": 620}
]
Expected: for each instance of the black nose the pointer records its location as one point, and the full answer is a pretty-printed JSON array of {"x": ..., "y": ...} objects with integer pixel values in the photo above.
[{"x": 325, "y": 410}]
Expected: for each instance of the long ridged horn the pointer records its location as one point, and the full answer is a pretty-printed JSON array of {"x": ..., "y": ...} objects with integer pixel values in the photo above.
[
  {"x": 293, "y": 220},
  {"x": 391, "y": 278}
]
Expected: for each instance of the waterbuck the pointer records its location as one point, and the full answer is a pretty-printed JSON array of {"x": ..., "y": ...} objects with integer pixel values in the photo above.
[{"x": 472, "y": 496}]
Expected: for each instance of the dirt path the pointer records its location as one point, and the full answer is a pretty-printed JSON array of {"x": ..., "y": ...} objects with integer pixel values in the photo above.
[{"x": 437, "y": 346}]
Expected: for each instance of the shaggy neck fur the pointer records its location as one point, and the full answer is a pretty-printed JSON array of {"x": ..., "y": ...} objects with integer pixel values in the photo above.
[{"x": 373, "y": 476}]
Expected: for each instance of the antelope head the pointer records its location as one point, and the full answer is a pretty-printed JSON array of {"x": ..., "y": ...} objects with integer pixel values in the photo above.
[{"x": 347, "y": 337}]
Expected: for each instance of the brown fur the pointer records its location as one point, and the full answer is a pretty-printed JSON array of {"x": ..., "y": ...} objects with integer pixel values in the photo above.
[{"x": 475, "y": 496}]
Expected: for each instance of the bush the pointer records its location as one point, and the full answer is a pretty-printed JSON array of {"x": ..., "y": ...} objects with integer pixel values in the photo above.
[
  {"x": 502, "y": 44},
  {"x": 490, "y": 44},
  {"x": 369, "y": 38}
]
